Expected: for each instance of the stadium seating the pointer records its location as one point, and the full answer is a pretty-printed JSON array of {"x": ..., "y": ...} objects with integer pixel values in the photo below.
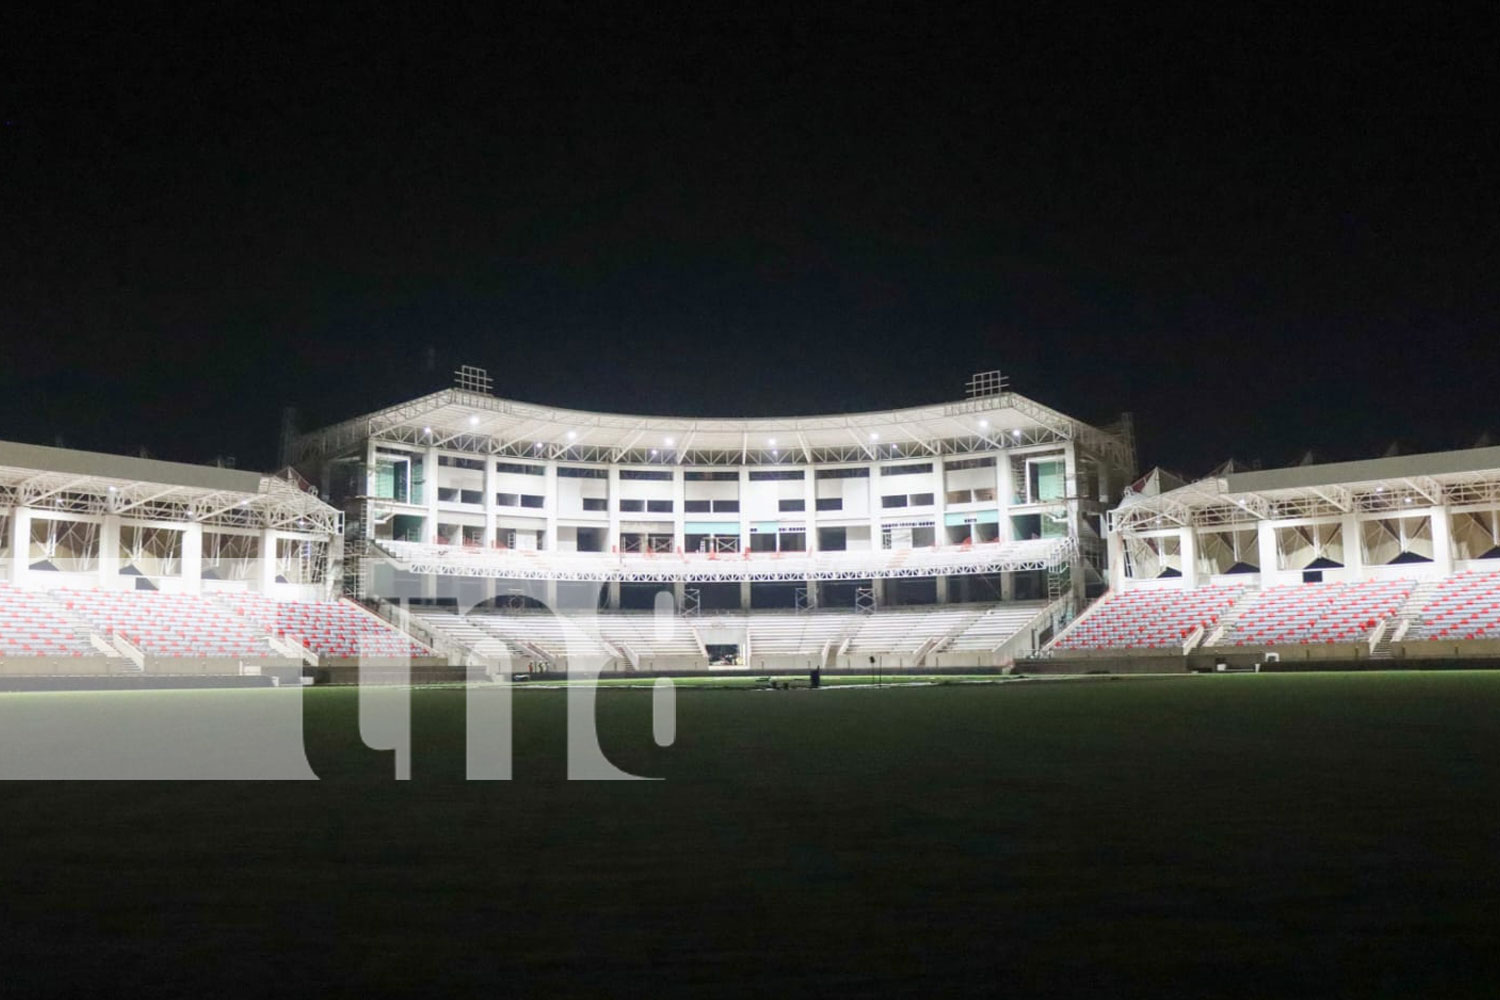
[
  {"x": 995, "y": 627},
  {"x": 327, "y": 628},
  {"x": 1317, "y": 613},
  {"x": 1466, "y": 606},
  {"x": 1149, "y": 618},
  {"x": 167, "y": 625},
  {"x": 33, "y": 625}
]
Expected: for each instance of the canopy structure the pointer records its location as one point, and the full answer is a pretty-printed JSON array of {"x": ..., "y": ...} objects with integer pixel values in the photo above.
[
  {"x": 81, "y": 482},
  {"x": 1446, "y": 478},
  {"x": 465, "y": 420}
]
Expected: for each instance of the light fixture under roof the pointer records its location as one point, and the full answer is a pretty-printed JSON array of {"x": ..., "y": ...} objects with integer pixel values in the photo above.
[
  {"x": 426, "y": 430},
  {"x": 572, "y": 435},
  {"x": 473, "y": 420},
  {"x": 874, "y": 435},
  {"x": 1016, "y": 432},
  {"x": 984, "y": 423},
  {"x": 670, "y": 442},
  {"x": 771, "y": 442}
]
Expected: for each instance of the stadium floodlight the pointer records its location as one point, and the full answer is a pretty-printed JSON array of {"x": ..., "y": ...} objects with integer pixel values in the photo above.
[
  {"x": 427, "y": 430},
  {"x": 670, "y": 442},
  {"x": 771, "y": 442},
  {"x": 984, "y": 423},
  {"x": 473, "y": 420},
  {"x": 1016, "y": 432},
  {"x": 874, "y": 435},
  {"x": 1380, "y": 489},
  {"x": 653, "y": 451},
  {"x": 572, "y": 435}
]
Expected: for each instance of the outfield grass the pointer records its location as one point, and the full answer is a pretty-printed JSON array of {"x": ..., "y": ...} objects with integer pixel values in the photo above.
[{"x": 1251, "y": 835}]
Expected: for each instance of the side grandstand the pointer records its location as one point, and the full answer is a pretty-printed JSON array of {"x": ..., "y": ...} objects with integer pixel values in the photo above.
[
  {"x": 129, "y": 567},
  {"x": 1384, "y": 560}
]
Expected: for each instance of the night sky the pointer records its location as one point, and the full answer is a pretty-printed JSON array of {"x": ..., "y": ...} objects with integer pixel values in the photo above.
[{"x": 1259, "y": 236}]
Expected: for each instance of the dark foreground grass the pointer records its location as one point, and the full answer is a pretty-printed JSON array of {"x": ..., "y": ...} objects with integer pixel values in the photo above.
[{"x": 1309, "y": 835}]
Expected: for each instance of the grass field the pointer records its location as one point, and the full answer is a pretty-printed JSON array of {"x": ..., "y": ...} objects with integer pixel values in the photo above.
[{"x": 1260, "y": 835}]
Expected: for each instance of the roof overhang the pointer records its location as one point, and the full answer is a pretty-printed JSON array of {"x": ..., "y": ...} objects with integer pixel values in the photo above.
[{"x": 467, "y": 421}]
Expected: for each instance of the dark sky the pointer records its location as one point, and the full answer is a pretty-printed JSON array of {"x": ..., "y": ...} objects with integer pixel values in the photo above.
[{"x": 1259, "y": 236}]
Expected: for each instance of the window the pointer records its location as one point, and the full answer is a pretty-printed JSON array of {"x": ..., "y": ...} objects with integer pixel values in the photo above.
[
  {"x": 447, "y": 494},
  {"x": 905, "y": 470},
  {"x": 695, "y": 506},
  {"x": 594, "y": 503},
  {"x": 507, "y": 500},
  {"x": 787, "y": 506},
  {"x": 632, "y": 506},
  {"x": 765, "y": 475},
  {"x": 517, "y": 469},
  {"x": 921, "y": 499},
  {"x": 971, "y": 463},
  {"x": 830, "y": 503},
  {"x": 580, "y": 472},
  {"x": 724, "y": 507},
  {"x": 528, "y": 500},
  {"x": 894, "y": 500},
  {"x": 960, "y": 496},
  {"x": 453, "y": 462},
  {"x": 860, "y": 472},
  {"x": 713, "y": 475},
  {"x": 659, "y": 506},
  {"x": 471, "y": 496},
  {"x": 662, "y": 475}
]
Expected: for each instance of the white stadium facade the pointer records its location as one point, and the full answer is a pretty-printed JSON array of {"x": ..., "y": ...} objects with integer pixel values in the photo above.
[
  {"x": 964, "y": 531},
  {"x": 461, "y": 532}
]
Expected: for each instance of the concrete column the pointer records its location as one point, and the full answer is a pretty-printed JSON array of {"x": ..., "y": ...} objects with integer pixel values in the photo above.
[
  {"x": 744, "y": 518},
  {"x": 1003, "y": 490},
  {"x": 20, "y": 544},
  {"x": 940, "y": 504},
  {"x": 613, "y": 592},
  {"x": 267, "y": 561},
  {"x": 491, "y": 487},
  {"x": 810, "y": 508},
  {"x": 744, "y": 595},
  {"x": 1354, "y": 547},
  {"x": 1442, "y": 540},
  {"x": 109, "y": 552},
  {"x": 192, "y": 558},
  {"x": 1116, "y": 548},
  {"x": 878, "y": 585},
  {"x": 1188, "y": 549},
  {"x": 942, "y": 589},
  {"x": 430, "y": 494},
  {"x": 612, "y": 535},
  {"x": 1265, "y": 544},
  {"x": 678, "y": 586},
  {"x": 549, "y": 592},
  {"x": 875, "y": 508},
  {"x": 679, "y": 501},
  {"x": 549, "y": 511}
]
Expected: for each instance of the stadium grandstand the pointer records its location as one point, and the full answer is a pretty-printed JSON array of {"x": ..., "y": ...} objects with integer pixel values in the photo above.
[
  {"x": 1395, "y": 558},
  {"x": 500, "y": 531},
  {"x": 132, "y": 567}
]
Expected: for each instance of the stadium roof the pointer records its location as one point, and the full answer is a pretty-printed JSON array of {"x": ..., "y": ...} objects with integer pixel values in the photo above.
[
  {"x": 471, "y": 421},
  {"x": 87, "y": 482},
  {"x": 1332, "y": 489}
]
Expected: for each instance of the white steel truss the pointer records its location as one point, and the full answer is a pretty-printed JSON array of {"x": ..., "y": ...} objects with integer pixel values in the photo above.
[{"x": 277, "y": 505}]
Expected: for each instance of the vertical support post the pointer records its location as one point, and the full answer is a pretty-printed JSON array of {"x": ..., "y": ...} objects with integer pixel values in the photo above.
[
  {"x": 612, "y": 536},
  {"x": 1265, "y": 544},
  {"x": 1187, "y": 547},
  {"x": 20, "y": 544},
  {"x": 875, "y": 507},
  {"x": 744, "y": 519},
  {"x": 1354, "y": 546},
  {"x": 491, "y": 487},
  {"x": 430, "y": 494},
  {"x": 549, "y": 509},
  {"x": 1004, "y": 490},
  {"x": 679, "y": 501},
  {"x": 1442, "y": 540},
  {"x": 268, "y": 561},
  {"x": 109, "y": 551},
  {"x": 192, "y": 558}
]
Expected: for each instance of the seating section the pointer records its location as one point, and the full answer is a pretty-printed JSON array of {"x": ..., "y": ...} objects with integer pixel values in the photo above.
[
  {"x": 327, "y": 628},
  {"x": 553, "y": 636},
  {"x": 1149, "y": 619},
  {"x": 995, "y": 627},
  {"x": 167, "y": 625},
  {"x": 787, "y": 633},
  {"x": 1466, "y": 606},
  {"x": 907, "y": 631},
  {"x": 33, "y": 625},
  {"x": 1309, "y": 613}
]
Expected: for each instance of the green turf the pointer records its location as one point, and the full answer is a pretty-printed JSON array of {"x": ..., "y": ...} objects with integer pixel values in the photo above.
[{"x": 1254, "y": 835}]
